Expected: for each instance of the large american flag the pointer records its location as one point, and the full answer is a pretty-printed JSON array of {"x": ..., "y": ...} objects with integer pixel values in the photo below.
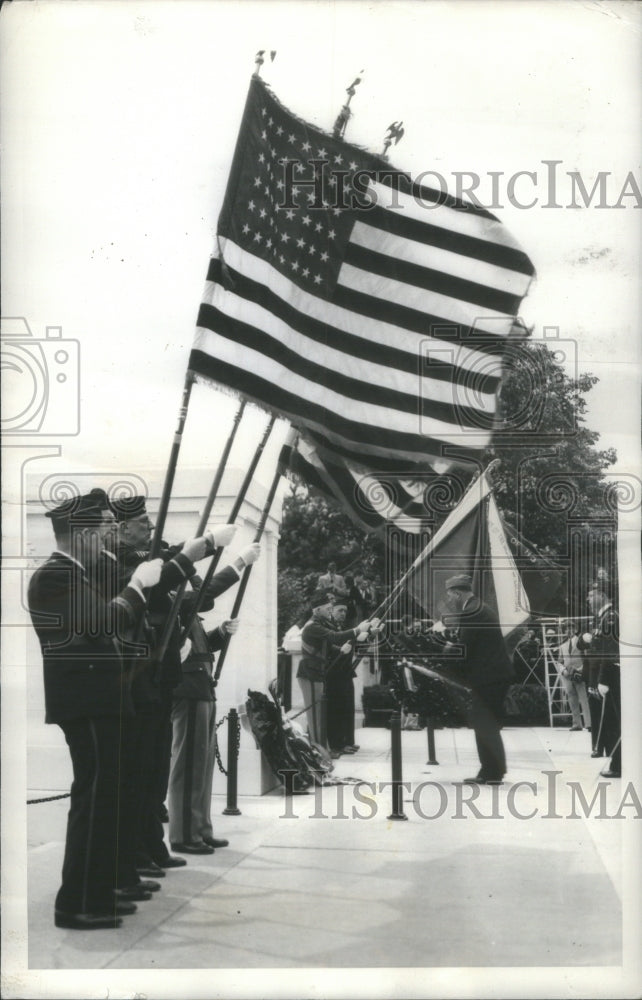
[{"x": 370, "y": 311}]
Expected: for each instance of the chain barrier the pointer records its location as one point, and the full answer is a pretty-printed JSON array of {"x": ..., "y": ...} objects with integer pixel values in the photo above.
[
  {"x": 49, "y": 798},
  {"x": 237, "y": 744}
]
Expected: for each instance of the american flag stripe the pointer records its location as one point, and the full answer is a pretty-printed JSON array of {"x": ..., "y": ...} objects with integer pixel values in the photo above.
[
  {"x": 343, "y": 328},
  {"x": 331, "y": 367},
  {"x": 458, "y": 220},
  {"x": 371, "y": 500},
  {"x": 319, "y": 310},
  {"x": 423, "y": 230},
  {"x": 478, "y": 273}
]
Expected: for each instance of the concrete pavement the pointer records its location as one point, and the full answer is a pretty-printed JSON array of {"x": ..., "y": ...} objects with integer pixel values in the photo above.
[{"x": 327, "y": 880}]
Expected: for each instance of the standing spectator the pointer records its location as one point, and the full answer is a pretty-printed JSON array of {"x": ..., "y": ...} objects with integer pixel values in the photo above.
[
  {"x": 331, "y": 580},
  {"x": 603, "y": 650},
  {"x": 319, "y": 639},
  {"x": 339, "y": 690},
  {"x": 572, "y": 665}
]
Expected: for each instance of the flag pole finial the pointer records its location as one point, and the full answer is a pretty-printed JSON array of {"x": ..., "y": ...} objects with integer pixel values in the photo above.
[
  {"x": 259, "y": 59},
  {"x": 345, "y": 114},
  {"x": 394, "y": 133}
]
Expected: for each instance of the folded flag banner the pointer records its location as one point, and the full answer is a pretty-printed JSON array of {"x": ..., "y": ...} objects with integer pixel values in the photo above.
[
  {"x": 374, "y": 501},
  {"x": 368, "y": 309},
  {"x": 473, "y": 540}
]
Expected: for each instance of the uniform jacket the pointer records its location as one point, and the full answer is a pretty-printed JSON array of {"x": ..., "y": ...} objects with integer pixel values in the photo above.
[
  {"x": 319, "y": 641},
  {"x": 485, "y": 657},
  {"x": 603, "y": 652},
  {"x": 197, "y": 669},
  {"x": 147, "y": 675},
  {"x": 80, "y": 633}
]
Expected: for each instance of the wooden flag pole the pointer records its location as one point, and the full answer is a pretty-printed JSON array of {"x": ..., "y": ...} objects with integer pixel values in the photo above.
[
  {"x": 202, "y": 525},
  {"x": 161, "y": 517},
  {"x": 200, "y": 596},
  {"x": 240, "y": 594}
]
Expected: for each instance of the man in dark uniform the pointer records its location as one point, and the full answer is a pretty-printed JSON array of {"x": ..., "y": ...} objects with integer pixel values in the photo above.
[
  {"x": 319, "y": 640},
  {"x": 487, "y": 671},
  {"x": 602, "y": 649},
  {"x": 153, "y": 681},
  {"x": 339, "y": 689},
  {"x": 80, "y": 634}
]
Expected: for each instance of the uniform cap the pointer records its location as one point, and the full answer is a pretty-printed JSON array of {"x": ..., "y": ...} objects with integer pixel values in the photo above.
[
  {"x": 461, "y": 581},
  {"x": 128, "y": 507}
]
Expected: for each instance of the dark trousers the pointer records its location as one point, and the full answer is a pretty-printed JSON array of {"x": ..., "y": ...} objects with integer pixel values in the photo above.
[
  {"x": 127, "y": 804},
  {"x": 90, "y": 866},
  {"x": 150, "y": 844},
  {"x": 486, "y": 720},
  {"x": 339, "y": 690},
  {"x": 612, "y": 729}
]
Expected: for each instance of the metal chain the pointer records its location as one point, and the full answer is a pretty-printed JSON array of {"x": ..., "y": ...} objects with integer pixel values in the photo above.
[
  {"x": 50, "y": 798},
  {"x": 236, "y": 746}
]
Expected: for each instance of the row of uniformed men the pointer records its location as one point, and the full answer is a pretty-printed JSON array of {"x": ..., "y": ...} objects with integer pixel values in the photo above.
[{"x": 100, "y": 610}]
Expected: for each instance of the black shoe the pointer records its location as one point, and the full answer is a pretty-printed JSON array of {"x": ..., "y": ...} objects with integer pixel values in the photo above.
[
  {"x": 575, "y": 729},
  {"x": 163, "y": 815},
  {"x": 132, "y": 892},
  {"x": 152, "y": 870},
  {"x": 148, "y": 886},
  {"x": 353, "y": 746},
  {"x": 193, "y": 848},
  {"x": 124, "y": 908},
  {"x": 347, "y": 750},
  {"x": 335, "y": 753},
  {"x": 610, "y": 774},
  {"x": 215, "y": 842},
  {"x": 596, "y": 753},
  {"x": 171, "y": 862},
  {"x": 86, "y": 921},
  {"x": 479, "y": 780}
]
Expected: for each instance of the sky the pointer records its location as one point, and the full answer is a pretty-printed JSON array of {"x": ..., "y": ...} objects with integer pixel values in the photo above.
[{"x": 119, "y": 122}]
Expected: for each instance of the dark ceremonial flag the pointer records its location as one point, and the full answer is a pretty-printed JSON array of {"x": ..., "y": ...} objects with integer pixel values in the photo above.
[
  {"x": 474, "y": 540},
  {"x": 368, "y": 309}
]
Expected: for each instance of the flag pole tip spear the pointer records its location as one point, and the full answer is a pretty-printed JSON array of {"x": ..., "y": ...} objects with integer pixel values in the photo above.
[
  {"x": 394, "y": 133},
  {"x": 259, "y": 59},
  {"x": 345, "y": 114}
]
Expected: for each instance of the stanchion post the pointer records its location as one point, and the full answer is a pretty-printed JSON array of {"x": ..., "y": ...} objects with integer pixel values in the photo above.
[
  {"x": 233, "y": 742},
  {"x": 430, "y": 730},
  {"x": 397, "y": 780}
]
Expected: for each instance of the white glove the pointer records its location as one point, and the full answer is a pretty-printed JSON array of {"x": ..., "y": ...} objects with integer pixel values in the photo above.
[
  {"x": 603, "y": 689},
  {"x": 362, "y": 636},
  {"x": 222, "y": 535},
  {"x": 374, "y": 623},
  {"x": 587, "y": 638},
  {"x": 438, "y": 627},
  {"x": 195, "y": 548},
  {"x": 347, "y": 646},
  {"x": 147, "y": 574},
  {"x": 186, "y": 649},
  {"x": 230, "y": 627},
  {"x": 250, "y": 553},
  {"x": 363, "y": 626}
]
